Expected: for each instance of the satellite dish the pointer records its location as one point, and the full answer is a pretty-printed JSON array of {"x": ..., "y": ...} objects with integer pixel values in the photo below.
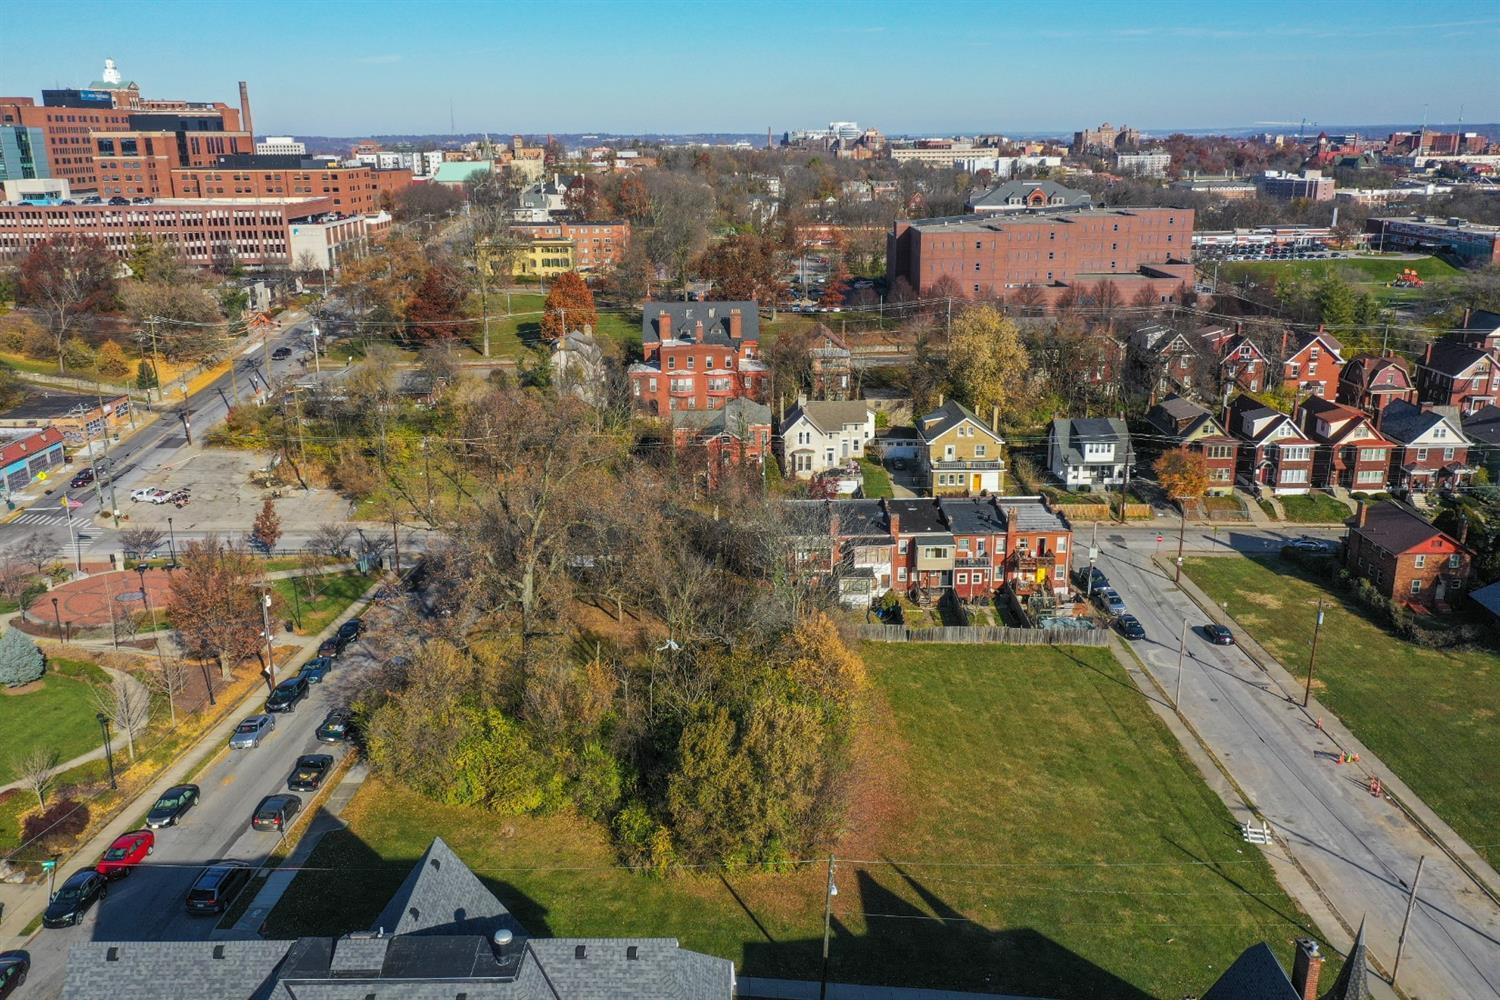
[{"x": 503, "y": 937}]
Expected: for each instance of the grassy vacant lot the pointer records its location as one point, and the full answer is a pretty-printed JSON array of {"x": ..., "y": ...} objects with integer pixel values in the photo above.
[
  {"x": 59, "y": 715},
  {"x": 1028, "y": 826},
  {"x": 511, "y": 333},
  {"x": 1430, "y": 714},
  {"x": 335, "y": 592},
  {"x": 1376, "y": 270},
  {"x": 1314, "y": 508}
]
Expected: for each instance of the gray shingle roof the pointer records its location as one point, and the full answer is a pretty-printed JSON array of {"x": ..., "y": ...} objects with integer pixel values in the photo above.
[
  {"x": 1452, "y": 359},
  {"x": 1396, "y": 529},
  {"x": 735, "y": 417},
  {"x": 1401, "y": 421},
  {"x": 1071, "y": 433},
  {"x": 1484, "y": 424},
  {"x": 1255, "y": 975},
  {"x": 999, "y": 196},
  {"x": 830, "y": 416},
  {"x": 441, "y": 896},
  {"x": 1353, "y": 982},
  {"x": 946, "y": 417},
  {"x": 713, "y": 315}
]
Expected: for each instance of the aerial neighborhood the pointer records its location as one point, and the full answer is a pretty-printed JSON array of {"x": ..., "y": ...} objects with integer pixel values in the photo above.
[{"x": 527, "y": 529}]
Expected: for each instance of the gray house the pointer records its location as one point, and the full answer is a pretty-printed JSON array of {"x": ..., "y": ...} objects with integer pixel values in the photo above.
[
  {"x": 1018, "y": 196},
  {"x": 443, "y": 935},
  {"x": 1090, "y": 453}
]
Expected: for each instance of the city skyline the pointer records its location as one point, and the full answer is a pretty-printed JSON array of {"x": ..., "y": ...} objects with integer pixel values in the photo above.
[{"x": 593, "y": 67}]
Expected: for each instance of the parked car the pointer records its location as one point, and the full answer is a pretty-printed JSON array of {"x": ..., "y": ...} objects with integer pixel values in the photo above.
[
  {"x": 136, "y": 496},
  {"x": 250, "y": 732},
  {"x": 216, "y": 887},
  {"x": 332, "y": 648},
  {"x": 71, "y": 902},
  {"x": 1309, "y": 544},
  {"x": 84, "y": 478},
  {"x": 281, "y": 354},
  {"x": 128, "y": 850},
  {"x": 316, "y": 669},
  {"x": 1130, "y": 627},
  {"x": 13, "y": 968},
  {"x": 174, "y": 802},
  {"x": 1218, "y": 635},
  {"x": 1081, "y": 578},
  {"x": 309, "y": 773},
  {"x": 352, "y": 629},
  {"x": 275, "y": 812},
  {"x": 284, "y": 696},
  {"x": 1109, "y": 601},
  {"x": 335, "y": 726}
]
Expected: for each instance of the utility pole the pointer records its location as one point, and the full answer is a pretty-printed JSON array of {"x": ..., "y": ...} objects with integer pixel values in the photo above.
[
  {"x": 1181, "y": 535},
  {"x": 187, "y": 425},
  {"x": 1313, "y": 655},
  {"x": 1181, "y": 648},
  {"x": 1088, "y": 593},
  {"x": 1411, "y": 902},
  {"x": 155, "y": 358},
  {"x": 829, "y": 892},
  {"x": 949, "y": 333},
  {"x": 484, "y": 299},
  {"x": 265, "y": 617}
]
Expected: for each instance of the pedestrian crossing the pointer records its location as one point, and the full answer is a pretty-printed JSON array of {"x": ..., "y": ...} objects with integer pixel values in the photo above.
[{"x": 59, "y": 518}]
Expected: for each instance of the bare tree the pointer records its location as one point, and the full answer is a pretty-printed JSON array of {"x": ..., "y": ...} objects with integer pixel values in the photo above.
[
  {"x": 171, "y": 680},
  {"x": 142, "y": 541},
  {"x": 38, "y": 550},
  {"x": 15, "y": 575},
  {"x": 35, "y": 769},
  {"x": 331, "y": 540},
  {"x": 126, "y": 703}
]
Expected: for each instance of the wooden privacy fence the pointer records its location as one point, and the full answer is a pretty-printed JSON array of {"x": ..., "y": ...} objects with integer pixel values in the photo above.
[{"x": 998, "y": 635}]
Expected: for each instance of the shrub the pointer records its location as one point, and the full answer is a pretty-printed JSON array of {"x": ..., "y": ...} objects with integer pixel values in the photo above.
[
  {"x": 78, "y": 354},
  {"x": 21, "y": 662},
  {"x": 596, "y": 781},
  {"x": 495, "y": 767},
  {"x": 38, "y": 343},
  {"x": 644, "y": 843},
  {"x": 62, "y": 821},
  {"x": 12, "y": 339},
  {"x": 111, "y": 361}
]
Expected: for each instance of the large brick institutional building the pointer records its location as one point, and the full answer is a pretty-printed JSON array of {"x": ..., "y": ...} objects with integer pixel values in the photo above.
[
  {"x": 1130, "y": 248},
  {"x": 698, "y": 356}
]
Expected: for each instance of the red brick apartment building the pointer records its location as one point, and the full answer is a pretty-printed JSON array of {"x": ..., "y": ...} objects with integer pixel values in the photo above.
[
  {"x": 1405, "y": 557},
  {"x": 698, "y": 356},
  {"x": 1273, "y": 453},
  {"x": 1131, "y": 248},
  {"x": 1312, "y": 363},
  {"x": 351, "y": 190},
  {"x": 1371, "y": 382},
  {"x": 596, "y": 245},
  {"x": 1455, "y": 375}
]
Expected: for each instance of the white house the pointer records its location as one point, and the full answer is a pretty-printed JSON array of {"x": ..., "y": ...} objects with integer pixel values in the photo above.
[
  {"x": 821, "y": 435},
  {"x": 1090, "y": 454}
]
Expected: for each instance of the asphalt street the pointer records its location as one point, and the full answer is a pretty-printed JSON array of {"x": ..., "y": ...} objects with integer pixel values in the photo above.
[
  {"x": 136, "y": 460},
  {"x": 1359, "y": 849},
  {"x": 149, "y": 904}
]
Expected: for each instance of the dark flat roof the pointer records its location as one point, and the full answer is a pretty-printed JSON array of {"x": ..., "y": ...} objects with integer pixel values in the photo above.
[{"x": 51, "y": 405}]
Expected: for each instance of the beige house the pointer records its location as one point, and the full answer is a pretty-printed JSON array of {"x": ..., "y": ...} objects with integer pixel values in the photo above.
[{"x": 960, "y": 454}]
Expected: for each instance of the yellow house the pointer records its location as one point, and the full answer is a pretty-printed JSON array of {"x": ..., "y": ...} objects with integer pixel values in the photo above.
[
  {"x": 961, "y": 454},
  {"x": 544, "y": 257}
]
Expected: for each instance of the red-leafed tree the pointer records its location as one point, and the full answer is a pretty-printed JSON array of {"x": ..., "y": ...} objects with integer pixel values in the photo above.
[
  {"x": 436, "y": 308},
  {"x": 745, "y": 268},
  {"x": 633, "y": 200},
  {"x": 569, "y": 306},
  {"x": 65, "y": 278},
  {"x": 836, "y": 289},
  {"x": 214, "y": 606}
]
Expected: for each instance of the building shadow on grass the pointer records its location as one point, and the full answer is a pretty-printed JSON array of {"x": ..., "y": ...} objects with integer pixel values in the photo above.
[{"x": 934, "y": 946}]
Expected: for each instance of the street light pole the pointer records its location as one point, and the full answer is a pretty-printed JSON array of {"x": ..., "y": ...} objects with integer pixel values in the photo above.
[
  {"x": 265, "y": 617},
  {"x": 56, "y": 613},
  {"x": 1181, "y": 536},
  {"x": 829, "y": 892},
  {"x": 1181, "y": 648},
  {"x": 1313, "y": 655},
  {"x": 172, "y": 541},
  {"x": 109, "y": 754}
]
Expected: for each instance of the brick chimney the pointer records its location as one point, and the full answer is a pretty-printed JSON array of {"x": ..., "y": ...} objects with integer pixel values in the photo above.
[
  {"x": 1463, "y": 531},
  {"x": 1285, "y": 336},
  {"x": 1363, "y": 514},
  {"x": 1427, "y": 358},
  {"x": 995, "y": 418},
  {"x": 664, "y": 325},
  {"x": 698, "y": 331},
  {"x": 891, "y": 516},
  {"x": 735, "y": 329},
  {"x": 1307, "y": 965},
  {"x": 833, "y": 518}
]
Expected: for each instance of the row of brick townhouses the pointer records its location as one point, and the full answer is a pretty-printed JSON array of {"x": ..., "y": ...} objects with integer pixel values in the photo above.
[
  {"x": 972, "y": 546},
  {"x": 698, "y": 356}
]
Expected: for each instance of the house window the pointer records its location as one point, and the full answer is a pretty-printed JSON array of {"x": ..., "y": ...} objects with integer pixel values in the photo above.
[
  {"x": 901, "y": 546},
  {"x": 1420, "y": 562},
  {"x": 901, "y": 572},
  {"x": 979, "y": 451},
  {"x": 1421, "y": 454},
  {"x": 1416, "y": 586},
  {"x": 963, "y": 578},
  {"x": 1454, "y": 561},
  {"x": 1292, "y": 368},
  {"x": 1371, "y": 476},
  {"x": 1448, "y": 454}
]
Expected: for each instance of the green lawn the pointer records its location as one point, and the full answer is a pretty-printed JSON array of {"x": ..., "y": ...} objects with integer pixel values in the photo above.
[
  {"x": 1314, "y": 508},
  {"x": 1270, "y": 510},
  {"x": 511, "y": 334},
  {"x": 1430, "y": 714},
  {"x": 58, "y": 716},
  {"x": 877, "y": 480},
  {"x": 335, "y": 592},
  {"x": 1378, "y": 270},
  {"x": 1033, "y": 829}
]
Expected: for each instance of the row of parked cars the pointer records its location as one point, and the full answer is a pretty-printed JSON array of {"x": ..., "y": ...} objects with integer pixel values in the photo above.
[
  {"x": 217, "y": 885},
  {"x": 1092, "y": 581}
]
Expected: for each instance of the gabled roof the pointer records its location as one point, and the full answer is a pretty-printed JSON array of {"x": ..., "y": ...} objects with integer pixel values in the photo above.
[
  {"x": 1353, "y": 981},
  {"x": 1255, "y": 975},
  {"x": 1488, "y": 598},
  {"x": 1245, "y": 412},
  {"x": 31, "y": 444},
  {"x": 1397, "y": 529},
  {"x": 948, "y": 416},
  {"x": 1183, "y": 419},
  {"x": 442, "y": 896},
  {"x": 1159, "y": 339},
  {"x": 713, "y": 315},
  {"x": 1483, "y": 319},
  {"x": 1484, "y": 424},
  {"x": 1000, "y": 195},
  {"x": 1072, "y": 433},
  {"x": 1307, "y": 338},
  {"x": 1350, "y": 420},
  {"x": 1363, "y": 369},
  {"x": 1454, "y": 360},
  {"x": 1401, "y": 421},
  {"x": 829, "y": 416}
]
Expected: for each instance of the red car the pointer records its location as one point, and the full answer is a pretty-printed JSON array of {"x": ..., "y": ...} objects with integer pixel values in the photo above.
[{"x": 128, "y": 850}]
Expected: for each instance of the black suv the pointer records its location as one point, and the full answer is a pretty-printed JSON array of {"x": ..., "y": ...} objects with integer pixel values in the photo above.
[
  {"x": 352, "y": 629},
  {"x": 284, "y": 696},
  {"x": 281, "y": 354},
  {"x": 335, "y": 646},
  {"x": 217, "y": 886},
  {"x": 82, "y": 890}
]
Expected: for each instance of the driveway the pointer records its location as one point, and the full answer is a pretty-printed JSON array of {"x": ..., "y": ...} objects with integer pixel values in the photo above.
[{"x": 1360, "y": 850}]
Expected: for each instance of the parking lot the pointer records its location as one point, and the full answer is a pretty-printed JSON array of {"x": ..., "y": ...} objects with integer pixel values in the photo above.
[{"x": 222, "y": 498}]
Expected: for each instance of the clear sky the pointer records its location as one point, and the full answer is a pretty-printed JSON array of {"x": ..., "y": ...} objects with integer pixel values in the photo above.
[{"x": 383, "y": 66}]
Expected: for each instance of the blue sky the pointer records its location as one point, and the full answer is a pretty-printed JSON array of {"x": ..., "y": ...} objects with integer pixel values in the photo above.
[{"x": 383, "y": 66}]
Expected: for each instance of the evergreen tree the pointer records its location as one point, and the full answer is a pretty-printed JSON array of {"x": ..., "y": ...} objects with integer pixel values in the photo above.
[{"x": 21, "y": 662}]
